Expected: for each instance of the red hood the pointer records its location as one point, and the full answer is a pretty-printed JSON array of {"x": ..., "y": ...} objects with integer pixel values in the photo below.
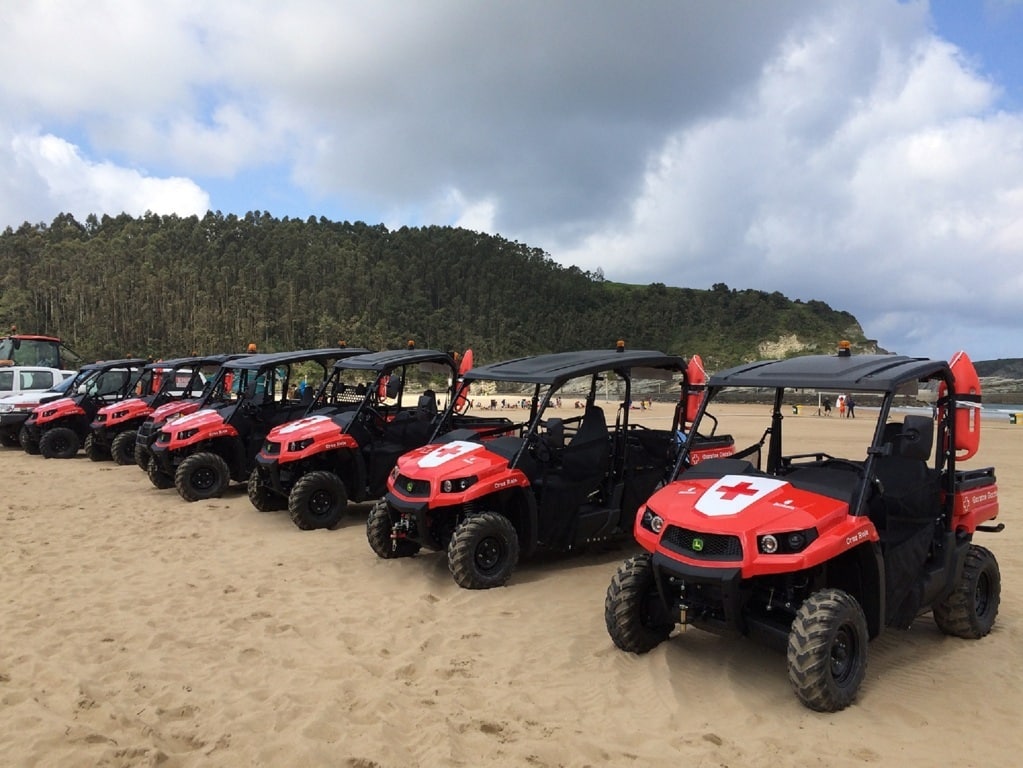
[
  {"x": 457, "y": 460},
  {"x": 55, "y": 409},
  {"x": 317, "y": 427},
  {"x": 174, "y": 408},
  {"x": 132, "y": 408},
  {"x": 736, "y": 503},
  {"x": 207, "y": 424},
  {"x": 747, "y": 507}
]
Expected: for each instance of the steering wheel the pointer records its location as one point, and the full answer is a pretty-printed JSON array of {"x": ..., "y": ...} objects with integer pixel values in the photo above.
[
  {"x": 540, "y": 449},
  {"x": 374, "y": 419}
]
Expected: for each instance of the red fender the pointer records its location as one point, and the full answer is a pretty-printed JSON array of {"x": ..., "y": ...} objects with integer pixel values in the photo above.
[
  {"x": 967, "y": 416},
  {"x": 462, "y": 398}
]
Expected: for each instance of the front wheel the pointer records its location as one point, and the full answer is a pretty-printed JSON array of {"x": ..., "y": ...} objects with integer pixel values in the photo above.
[
  {"x": 8, "y": 440},
  {"x": 262, "y": 498},
  {"x": 483, "y": 551},
  {"x": 122, "y": 449},
  {"x": 379, "y": 530},
  {"x": 94, "y": 450},
  {"x": 827, "y": 650},
  {"x": 29, "y": 445},
  {"x": 318, "y": 500},
  {"x": 970, "y": 610},
  {"x": 202, "y": 476},
  {"x": 59, "y": 443},
  {"x": 142, "y": 455},
  {"x": 635, "y": 615},
  {"x": 157, "y": 476}
]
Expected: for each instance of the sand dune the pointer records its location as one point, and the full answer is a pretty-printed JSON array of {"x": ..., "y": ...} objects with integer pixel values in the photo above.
[{"x": 140, "y": 630}]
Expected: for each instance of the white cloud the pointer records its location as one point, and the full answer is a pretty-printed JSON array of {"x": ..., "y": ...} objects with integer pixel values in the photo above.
[{"x": 47, "y": 168}]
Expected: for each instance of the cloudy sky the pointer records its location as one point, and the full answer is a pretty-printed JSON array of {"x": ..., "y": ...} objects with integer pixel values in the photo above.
[{"x": 867, "y": 154}]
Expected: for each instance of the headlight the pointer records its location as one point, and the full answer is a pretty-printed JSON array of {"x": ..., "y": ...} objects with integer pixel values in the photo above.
[
  {"x": 458, "y": 485},
  {"x": 786, "y": 543},
  {"x": 120, "y": 414},
  {"x": 299, "y": 445},
  {"x": 187, "y": 433},
  {"x": 651, "y": 520},
  {"x": 394, "y": 473}
]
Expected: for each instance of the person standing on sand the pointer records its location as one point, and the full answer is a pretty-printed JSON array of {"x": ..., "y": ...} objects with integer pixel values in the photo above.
[
  {"x": 850, "y": 404},
  {"x": 841, "y": 406},
  {"x": 826, "y": 402}
]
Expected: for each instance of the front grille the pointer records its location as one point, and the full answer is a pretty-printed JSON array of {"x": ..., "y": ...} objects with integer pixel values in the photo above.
[
  {"x": 410, "y": 487},
  {"x": 271, "y": 448},
  {"x": 705, "y": 546},
  {"x": 101, "y": 417},
  {"x": 146, "y": 429},
  {"x": 163, "y": 438}
]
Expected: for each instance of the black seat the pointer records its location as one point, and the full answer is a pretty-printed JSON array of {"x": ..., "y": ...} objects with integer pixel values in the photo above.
[
  {"x": 426, "y": 408},
  {"x": 587, "y": 454},
  {"x": 905, "y": 507}
]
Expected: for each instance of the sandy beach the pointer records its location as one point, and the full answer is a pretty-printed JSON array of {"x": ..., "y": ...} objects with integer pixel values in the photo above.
[{"x": 141, "y": 630}]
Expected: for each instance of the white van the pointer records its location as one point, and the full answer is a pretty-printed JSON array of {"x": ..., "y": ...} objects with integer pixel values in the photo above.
[{"x": 18, "y": 379}]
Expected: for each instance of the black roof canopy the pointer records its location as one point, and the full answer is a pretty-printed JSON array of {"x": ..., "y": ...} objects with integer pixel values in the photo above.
[
  {"x": 559, "y": 367},
  {"x": 269, "y": 359},
  {"x": 193, "y": 360},
  {"x": 849, "y": 373},
  {"x": 390, "y": 358}
]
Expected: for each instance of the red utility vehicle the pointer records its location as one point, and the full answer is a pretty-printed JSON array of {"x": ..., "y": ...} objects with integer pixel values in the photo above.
[
  {"x": 115, "y": 428},
  {"x": 371, "y": 410},
  {"x": 60, "y": 427},
  {"x": 817, "y": 552},
  {"x": 203, "y": 451},
  {"x": 545, "y": 481}
]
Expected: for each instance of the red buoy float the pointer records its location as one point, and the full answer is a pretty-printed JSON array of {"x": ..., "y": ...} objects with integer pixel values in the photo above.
[{"x": 966, "y": 426}]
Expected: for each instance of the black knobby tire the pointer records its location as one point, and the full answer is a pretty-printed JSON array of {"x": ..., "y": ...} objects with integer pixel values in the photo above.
[
  {"x": 634, "y": 613},
  {"x": 9, "y": 441},
  {"x": 59, "y": 443},
  {"x": 29, "y": 445},
  {"x": 379, "y": 525},
  {"x": 201, "y": 476},
  {"x": 483, "y": 551},
  {"x": 142, "y": 456},
  {"x": 94, "y": 450},
  {"x": 318, "y": 500},
  {"x": 157, "y": 476},
  {"x": 827, "y": 650},
  {"x": 122, "y": 448},
  {"x": 263, "y": 498},
  {"x": 970, "y": 610}
]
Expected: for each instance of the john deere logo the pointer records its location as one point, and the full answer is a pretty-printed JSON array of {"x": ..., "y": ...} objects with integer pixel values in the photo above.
[
  {"x": 409, "y": 486},
  {"x": 697, "y": 545}
]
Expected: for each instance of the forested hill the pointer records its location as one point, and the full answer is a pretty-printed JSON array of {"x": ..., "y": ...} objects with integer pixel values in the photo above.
[{"x": 168, "y": 286}]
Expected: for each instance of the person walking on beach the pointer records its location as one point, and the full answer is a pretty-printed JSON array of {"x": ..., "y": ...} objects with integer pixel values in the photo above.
[{"x": 826, "y": 402}]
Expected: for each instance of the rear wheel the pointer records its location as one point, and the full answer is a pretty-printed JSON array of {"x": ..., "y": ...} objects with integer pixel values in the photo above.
[
  {"x": 59, "y": 443},
  {"x": 971, "y": 609},
  {"x": 94, "y": 450},
  {"x": 157, "y": 476},
  {"x": 318, "y": 500},
  {"x": 262, "y": 498},
  {"x": 202, "y": 476},
  {"x": 827, "y": 650},
  {"x": 379, "y": 526},
  {"x": 29, "y": 445},
  {"x": 9, "y": 440},
  {"x": 122, "y": 449},
  {"x": 634, "y": 613},
  {"x": 483, "y": 551}
]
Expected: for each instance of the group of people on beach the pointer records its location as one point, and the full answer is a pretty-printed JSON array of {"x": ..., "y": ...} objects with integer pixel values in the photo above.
[{"x": 846, "y": 406}]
